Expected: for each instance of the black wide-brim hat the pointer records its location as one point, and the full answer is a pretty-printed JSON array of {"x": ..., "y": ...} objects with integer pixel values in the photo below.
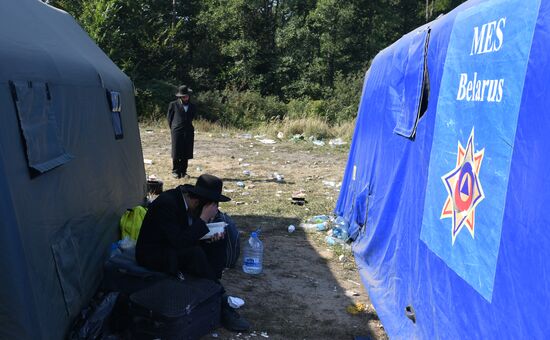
[
  {"x": 183, "y": 91},
  {"x": 208, "y": 187}
]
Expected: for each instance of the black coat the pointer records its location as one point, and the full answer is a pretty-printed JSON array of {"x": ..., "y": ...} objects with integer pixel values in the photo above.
[
  {"x": 165, "y": 232},
  {"x": 182, "y": 130}
]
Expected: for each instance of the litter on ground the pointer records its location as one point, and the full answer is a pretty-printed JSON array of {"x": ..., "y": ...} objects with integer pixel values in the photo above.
[{"x": 318, "y": 142}]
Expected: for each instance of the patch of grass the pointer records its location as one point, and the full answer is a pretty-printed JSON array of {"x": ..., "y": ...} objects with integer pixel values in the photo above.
[
  {"x": 211, "y": 127},
  {"x": 308, "y": 127},
  {"x": 345, "y": 130}
]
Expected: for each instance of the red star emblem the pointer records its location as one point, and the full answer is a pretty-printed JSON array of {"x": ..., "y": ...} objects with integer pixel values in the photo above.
[{"x": 464, "y": 188}]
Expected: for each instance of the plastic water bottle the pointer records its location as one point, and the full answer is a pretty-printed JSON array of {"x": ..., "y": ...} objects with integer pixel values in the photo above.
[
  {"x": 253, "y": 255},
  {"x": 337, "y": 232},
  {"x": 318, "y": 219}
]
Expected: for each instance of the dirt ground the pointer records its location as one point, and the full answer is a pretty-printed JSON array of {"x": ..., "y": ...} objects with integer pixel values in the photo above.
[{"x": 306, "y": 286}]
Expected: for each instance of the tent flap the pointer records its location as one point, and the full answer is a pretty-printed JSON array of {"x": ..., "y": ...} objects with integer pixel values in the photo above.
[
  {"x": 39, "y": 125},
  {"x": 413, "y": 83}
]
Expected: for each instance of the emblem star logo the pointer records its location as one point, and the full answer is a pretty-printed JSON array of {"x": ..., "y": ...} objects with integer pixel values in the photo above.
[{"x": 464, "y": 188}]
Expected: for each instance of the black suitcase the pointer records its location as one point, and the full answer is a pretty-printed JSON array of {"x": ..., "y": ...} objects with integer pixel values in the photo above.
[
  {"x": 174, "y": 309},
  {"x": 122, "y": 274}
]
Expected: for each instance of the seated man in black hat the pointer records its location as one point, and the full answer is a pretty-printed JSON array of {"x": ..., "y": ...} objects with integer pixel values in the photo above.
[{"x": 169, "y": 239}]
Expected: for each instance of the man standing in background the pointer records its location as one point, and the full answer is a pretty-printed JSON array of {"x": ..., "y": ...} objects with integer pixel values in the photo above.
[{"x": 180, "y": 120}]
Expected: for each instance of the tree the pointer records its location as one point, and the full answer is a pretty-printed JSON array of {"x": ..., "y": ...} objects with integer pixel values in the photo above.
[{"x": 293, "y": 49}]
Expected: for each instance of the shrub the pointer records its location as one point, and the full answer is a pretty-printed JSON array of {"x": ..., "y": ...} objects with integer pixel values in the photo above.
[
  {"x": 307, "y": 127},
  {"x": 152, "y": 99},
  {"x": 345, "y": 130},
  {"x": 339, "y": 106},
  {"x": 239, "y": 109},
  {"x": 345, "y": 97},
  {"x": 210, "y": 107}
]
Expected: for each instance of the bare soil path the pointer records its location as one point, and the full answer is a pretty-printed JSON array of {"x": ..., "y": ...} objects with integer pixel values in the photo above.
[{"x": 306, "y": 286}]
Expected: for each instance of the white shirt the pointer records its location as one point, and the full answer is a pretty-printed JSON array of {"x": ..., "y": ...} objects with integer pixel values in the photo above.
[{"x": 189, "y": 218}]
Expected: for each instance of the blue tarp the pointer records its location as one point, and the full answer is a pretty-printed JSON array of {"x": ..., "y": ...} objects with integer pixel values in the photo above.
[{"x": 445, "y": 183}]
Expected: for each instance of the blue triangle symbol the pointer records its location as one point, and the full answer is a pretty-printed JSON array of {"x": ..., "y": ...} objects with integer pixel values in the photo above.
[{"x": 465, "y": 187}]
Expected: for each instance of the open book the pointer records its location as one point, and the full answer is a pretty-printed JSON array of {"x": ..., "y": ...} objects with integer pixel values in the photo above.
[{"x": 214, "y": 228}]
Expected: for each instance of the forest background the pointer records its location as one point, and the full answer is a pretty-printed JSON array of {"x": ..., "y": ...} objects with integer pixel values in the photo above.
[{"x": 250, "y": 61}]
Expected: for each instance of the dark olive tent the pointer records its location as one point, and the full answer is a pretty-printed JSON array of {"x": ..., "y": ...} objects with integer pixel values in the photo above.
[{"x": 70, "y": 164}]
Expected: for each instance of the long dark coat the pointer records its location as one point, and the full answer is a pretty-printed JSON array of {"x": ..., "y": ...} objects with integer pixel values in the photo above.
[
  {"x": 182, "y": 130},
  {"x": 166, "y": 232}
]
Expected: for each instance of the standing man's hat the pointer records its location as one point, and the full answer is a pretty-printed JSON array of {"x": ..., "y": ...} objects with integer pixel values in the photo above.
[
  {"x": 183, "y": 91},
  {"x": 209, "y": 187}
]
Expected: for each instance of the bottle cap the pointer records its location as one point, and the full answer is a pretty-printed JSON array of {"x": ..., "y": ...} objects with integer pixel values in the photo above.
[{"x": 254, "y": 234}]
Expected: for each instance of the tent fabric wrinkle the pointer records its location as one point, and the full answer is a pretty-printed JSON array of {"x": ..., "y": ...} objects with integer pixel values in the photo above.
[{"x": 68, "y": 269}]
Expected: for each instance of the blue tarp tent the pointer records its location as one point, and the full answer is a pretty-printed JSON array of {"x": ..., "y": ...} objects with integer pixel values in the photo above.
[
  {"x": 445, "y": 186},
  {"x": 70, "y": 165}
]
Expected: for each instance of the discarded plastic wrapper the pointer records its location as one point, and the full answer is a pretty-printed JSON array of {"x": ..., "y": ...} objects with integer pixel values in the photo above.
[
  {"x": 329, "y": 183},
  {"x": 126, "y": 243},
  {"x": 337, "y": 142},
  {"x": 235, "y": 302},
  {"x": 278, "y": 177},
  {"x": 318, "y": 142},
  {"x": 215, "y": 228},
  {"x": 351, "y": 293},
  {"x": 314, "y": 226}
]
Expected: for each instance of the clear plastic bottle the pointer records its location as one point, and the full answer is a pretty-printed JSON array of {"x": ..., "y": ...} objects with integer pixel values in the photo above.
[{"x": 253, "y": 255}]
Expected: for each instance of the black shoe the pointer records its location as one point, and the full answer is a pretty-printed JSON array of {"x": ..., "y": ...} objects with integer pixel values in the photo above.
[{"x": 231, "y": 320}]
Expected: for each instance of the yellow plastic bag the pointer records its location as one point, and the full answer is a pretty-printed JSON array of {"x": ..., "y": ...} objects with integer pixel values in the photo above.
[{"x": 130, "y": 222}]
